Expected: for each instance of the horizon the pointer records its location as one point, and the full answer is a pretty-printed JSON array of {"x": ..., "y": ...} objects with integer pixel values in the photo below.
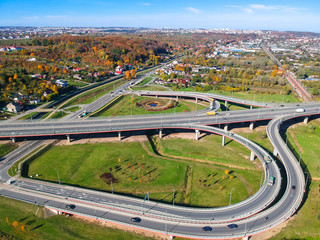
[{"x": 203, "y": 14}]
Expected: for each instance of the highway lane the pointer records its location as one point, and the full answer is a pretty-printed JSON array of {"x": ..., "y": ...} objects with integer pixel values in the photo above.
[
  {"x": 276, "y": 214},
  {"x": 262, "y": 198},
  {"x": 115, "y": 124}
]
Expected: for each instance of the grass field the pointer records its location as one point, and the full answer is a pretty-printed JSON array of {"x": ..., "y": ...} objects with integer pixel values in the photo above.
[
  {"x": 6, "y": 148},
  {"x": 56, "y": 227},
  {"x": 126, "y": 105},
  {"x": 144, "y": 81},
  {"x": 28, "y": 116},
  {"x": 137, "y": 173},
  {"x": 210, "y": 149},
  {"x": 73, "y": 109},
  {"x": 306, "y": 223},
  {"x": 305, "y": 140},
  {"x": 58, "y": 114}
]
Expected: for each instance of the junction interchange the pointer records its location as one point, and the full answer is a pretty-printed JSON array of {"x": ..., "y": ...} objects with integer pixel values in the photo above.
[{"x": 267, "y": 208}]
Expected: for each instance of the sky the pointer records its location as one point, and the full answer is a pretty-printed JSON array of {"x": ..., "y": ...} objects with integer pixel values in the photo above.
[{"x": 286, "y": 15}]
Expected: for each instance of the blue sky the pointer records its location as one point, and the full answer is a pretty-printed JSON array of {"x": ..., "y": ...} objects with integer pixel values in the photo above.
[{"x": 234, "y": 14}]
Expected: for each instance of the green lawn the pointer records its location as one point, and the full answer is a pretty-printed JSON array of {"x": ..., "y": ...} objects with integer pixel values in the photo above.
[
  {"x": 58, "y": 114},
  {"x": 28, "y": 116},
  {"x": 6, "y": 148},
  {"x": 144, "y": 81},
  {"x": 210, "y": 149},
  {"x": 306, "y": 223},
  {"x": 305, "y": 140},
  {"x": 56, "y": 227},
  {"x": 73, "y": 109},
  {"x": 138, "y": 173},
  {"x": 126, "y": 105}
]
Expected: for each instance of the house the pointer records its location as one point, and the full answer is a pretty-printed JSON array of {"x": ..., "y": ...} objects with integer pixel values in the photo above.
[
  {"x": 32, "y": 59},
  {"x": 77, "y": 76},
  {"x": 47, "y": 92},
  {"x": 34, "y": 100},
  {"x": 61, "y": 83},
  {"x": 118, "y": 72},
  {"x": 14, "y": 107}
]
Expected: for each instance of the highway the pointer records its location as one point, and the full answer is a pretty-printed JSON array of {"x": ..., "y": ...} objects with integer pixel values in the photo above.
[{"x": 262, "y": 211}]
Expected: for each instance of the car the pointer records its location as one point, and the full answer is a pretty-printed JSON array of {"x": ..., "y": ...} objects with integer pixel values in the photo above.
[
  {"x": 232, "y": 226},
  {"x": 206, "y": 229},
  {"x": 136, "y": 219},
  {"x": 70, "y": 206},
  {"x": 293, "y": 187},
  {"x": 227, "y": 114}
]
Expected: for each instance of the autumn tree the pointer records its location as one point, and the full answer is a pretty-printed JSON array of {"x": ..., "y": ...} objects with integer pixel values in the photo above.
[{"x": 128, "y": 75}]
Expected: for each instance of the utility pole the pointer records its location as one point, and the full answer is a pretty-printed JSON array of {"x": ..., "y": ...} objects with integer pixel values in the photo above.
[
  {"x": 230, "y": 196},
  {"x": 172, "y": 196},
  {"x": 58, "y": 176}
]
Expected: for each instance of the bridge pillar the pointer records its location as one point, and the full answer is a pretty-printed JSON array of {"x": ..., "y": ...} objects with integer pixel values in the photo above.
[
  {"x": 252, "y": 156},
  {"x": 275, "y": 153},
  {"x": 13, "y": 140},
  {"x": 196, "y": 100},
  {"x": 226, "y": 127},
  {"x": 197, "y": 135},
  {"x": 223, "y": 141},
  {"x": 251, "y": 107},
  {"x": 246, "y": 238},
  {"x": 68, "y": 138},
  {"x": 177, "y": 98},
  {"x": 251, "y": 126},
  {"x": 160, "y": 133},
  {"x": 119, "y": 136},
  {"x": 226, "y": 104},
  {"x": 306, "y": 120}
]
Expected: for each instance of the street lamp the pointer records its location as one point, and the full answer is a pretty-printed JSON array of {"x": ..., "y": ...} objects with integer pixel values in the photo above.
[
  {"x": 172, "y": 196},
  {"x": 230, "y": 196}
]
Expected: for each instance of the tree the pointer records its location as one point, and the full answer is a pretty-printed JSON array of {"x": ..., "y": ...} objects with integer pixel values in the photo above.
[
  {"x": 133, "y": 73},
  {"x": 226, "y": 172},
  {"x": 23, "y": 52},
  {"x": 274, "y": 73},
  {"x": 128, "y": 75}
]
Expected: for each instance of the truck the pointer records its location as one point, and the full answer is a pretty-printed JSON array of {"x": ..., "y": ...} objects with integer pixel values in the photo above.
[
  {"x": 300, "y": 110},
  {"x": 211, "y": 113},
  {"x": 271, "y": 181},
  {"x": 268, "y": 159}
]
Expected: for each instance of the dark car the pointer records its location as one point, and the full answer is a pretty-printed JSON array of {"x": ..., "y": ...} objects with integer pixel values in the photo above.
[
  {"x": 135, "y": 219},
  {"x": 293, "y": 187},
  {"x": 70, "y": 206},
  {"x": 232, "y": 226},
  {"x": 206, "y": 229}
]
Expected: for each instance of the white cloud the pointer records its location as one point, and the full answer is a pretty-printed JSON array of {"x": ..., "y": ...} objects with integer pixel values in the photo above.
[
  {"x": 194, "y": 10},
  {"x": 146, "y": 4},
  {"x": 251, "y": 8}
]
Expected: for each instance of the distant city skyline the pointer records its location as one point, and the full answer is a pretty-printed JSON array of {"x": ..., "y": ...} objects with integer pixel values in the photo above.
[{"x": 285, "y": 15}]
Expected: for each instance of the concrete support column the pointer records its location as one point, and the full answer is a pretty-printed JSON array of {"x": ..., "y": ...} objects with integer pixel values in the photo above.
[
  {"x": 119, "y": 136},
  {"x": 197, "y": 135},
  {"x": 251, "y": 126},
  {"x": 160, "y": 133},
  {"x": 68, "y": 138},
  {"x": 156, "y": 96},
  {"x": 226, "y": 104},
  {"x": 245, "y": 238},
  {"x": 250, "y": 107},
  {"x": 196, "y": 100},
  {"x": 252, "y": 156},
  {"x": 177, "y": 98},
  {"x": 226, "y": 127},
  {"x": 306, "y": 120},
  {"x": 13, "y": 140},
  {"x": 223, "y": 141},
  {"x": 275, "y": 153}
]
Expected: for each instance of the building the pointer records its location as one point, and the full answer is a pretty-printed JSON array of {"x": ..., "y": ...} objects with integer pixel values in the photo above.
[
  {"x": 14, "y": 107},
  {"x": 61, "y": 83}
]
